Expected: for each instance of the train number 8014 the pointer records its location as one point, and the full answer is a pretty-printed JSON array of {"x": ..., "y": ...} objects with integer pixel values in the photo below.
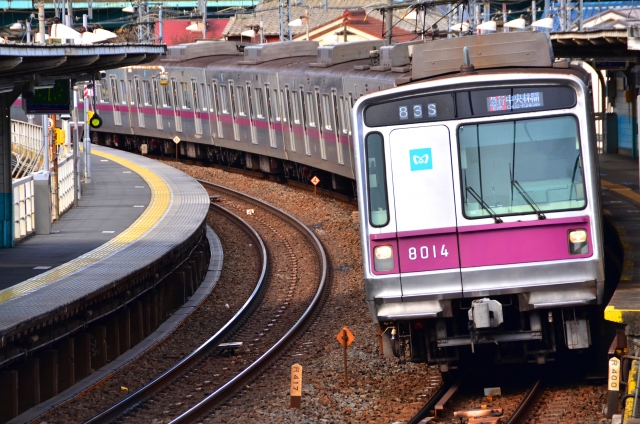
[{"x": 424, "y": 252}]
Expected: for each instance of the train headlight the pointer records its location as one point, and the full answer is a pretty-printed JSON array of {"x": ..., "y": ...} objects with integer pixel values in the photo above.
[
  {"x": 578, "y": 244},
  {"x": 383, "y": 258}
]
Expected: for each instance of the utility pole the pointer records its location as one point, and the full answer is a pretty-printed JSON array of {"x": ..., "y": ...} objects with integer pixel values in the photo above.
[
  {"x": 388, "y": 22},
  {"x": 202, "y": 4}
]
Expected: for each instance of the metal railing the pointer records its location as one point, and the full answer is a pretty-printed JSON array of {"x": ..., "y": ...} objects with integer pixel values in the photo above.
[
  {"x": 26, "y": 146},
  {"x": 65, "y": 184},
  {"x": 23, "y": 207}
]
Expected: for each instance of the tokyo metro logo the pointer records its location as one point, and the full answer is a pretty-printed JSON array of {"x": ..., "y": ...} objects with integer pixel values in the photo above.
[{"x": 420, "y": 159}]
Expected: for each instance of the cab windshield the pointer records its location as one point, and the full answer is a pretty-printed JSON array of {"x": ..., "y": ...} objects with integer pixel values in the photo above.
[{"x": 521, "y": 167}]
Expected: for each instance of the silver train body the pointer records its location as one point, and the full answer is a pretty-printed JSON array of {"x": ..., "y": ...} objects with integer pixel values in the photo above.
[
  {"x": 486, "y": 224},
  {"x": 480, "y": 211}
]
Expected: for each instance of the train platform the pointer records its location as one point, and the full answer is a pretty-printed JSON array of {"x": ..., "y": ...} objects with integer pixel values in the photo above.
[
  {"x": 114, "y": 199},
  {"x": 621, "y": 201},
  {"x": 135, "y": 212}
]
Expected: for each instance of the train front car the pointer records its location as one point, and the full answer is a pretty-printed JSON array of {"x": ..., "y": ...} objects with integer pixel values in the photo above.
[{"x": 479, "y": 204}]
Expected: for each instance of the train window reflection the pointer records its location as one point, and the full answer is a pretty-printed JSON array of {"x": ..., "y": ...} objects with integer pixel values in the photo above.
[
  {"x": 516, "y": 167},
  {"x": 376, "y": 184}
]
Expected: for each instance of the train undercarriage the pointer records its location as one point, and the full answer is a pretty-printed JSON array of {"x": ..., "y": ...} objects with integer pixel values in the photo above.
[{"x": 480, "y": 327}]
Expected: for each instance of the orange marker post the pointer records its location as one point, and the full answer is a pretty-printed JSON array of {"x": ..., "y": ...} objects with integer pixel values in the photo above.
[
  {"x": 296, "y": 386},
  {"x": 345, "y": 338}
]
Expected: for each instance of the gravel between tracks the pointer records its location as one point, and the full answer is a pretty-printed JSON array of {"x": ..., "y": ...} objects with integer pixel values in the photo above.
[
  {"x": 231, "y": 289},
  {"x": 380, "y": 390}
]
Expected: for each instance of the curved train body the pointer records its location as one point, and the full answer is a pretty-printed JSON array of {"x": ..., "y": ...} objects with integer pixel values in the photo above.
[{"x": 478, "y": 190}]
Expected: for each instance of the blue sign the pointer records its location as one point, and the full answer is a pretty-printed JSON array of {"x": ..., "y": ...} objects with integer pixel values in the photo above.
[{"x": 421, "y": 159}]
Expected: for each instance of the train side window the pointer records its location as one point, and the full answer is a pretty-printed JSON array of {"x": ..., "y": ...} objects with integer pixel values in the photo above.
[
  {"x": 186, "y": 101},
  {"x": 132, "y": 96},
  {"x": 240, "y": 101},
  {"x": 311, "y": 120},
  {"x": 174, "y": 86},
  {"x": 123, "y": 90},
  {"x": 260, "y": 110},
  {"x": 224, "y": 99},
  {"x": 166, "y": 98},
  {"x": 250, "y": 106},
  {"x": 114, "y": 89},
  {"x": 376, "y": 182},
  {"x": 348, "y": 106},
  {"x": 146, "y": 93},
  {"x": 276, "y": 106},
  {"x": 336, "y": 124},
  {"x": 284, "y": 99},
  {"x": 104, "y": 91},
  {"x": 232, "y": 95},
  {"x": 156, "y": 93},
  {"x": 212, "y": 90},
  {"x": 194, "y": 92},
  {"x": 295, "y": 106},
  {"x": 326, "y": 109},
  {"x": 343, "y": 118},
  {"x": 203, "y": 97},
  {"x": 268, "y": 103}
]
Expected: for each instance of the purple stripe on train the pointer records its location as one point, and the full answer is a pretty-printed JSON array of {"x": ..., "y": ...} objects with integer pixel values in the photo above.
[{"x": 483, "y": 245}]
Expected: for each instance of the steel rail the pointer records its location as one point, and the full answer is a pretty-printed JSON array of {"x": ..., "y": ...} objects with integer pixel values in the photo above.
[
  {"x": 431, "y": 403},
  {"x": 217, "y": 397},
  {"x": 194, "y": 357},
  {"x": 524, "y": 405}
]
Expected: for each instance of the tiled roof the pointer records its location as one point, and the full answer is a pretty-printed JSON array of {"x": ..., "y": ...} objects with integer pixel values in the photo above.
[
  {"x": 175, "y": 31},
  {"x": 268, "y": 13}
]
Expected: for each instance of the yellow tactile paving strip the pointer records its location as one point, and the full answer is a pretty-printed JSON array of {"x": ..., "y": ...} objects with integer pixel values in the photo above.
[
  {"x": 160, "y": 201},
  {"x": 610, "y": 312}
]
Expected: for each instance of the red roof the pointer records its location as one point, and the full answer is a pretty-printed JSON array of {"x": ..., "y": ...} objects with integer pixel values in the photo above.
[{"x": 175, "y": 31}]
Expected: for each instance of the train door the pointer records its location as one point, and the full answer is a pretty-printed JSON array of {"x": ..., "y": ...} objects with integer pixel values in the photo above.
[
  {"x": 195, "y": 102},
  {"x": 176, "y": 104},
  {"x": 115, "y": 100},
  {"x": 137, "y": 99},
  {"x": 422, "y": 178},
  {"x": 156, "y": 101},
  {"x": 272, "y": 113}
]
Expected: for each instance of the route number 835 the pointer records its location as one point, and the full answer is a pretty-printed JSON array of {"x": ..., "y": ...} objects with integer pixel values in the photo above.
[{"x": 423, "y": 251}]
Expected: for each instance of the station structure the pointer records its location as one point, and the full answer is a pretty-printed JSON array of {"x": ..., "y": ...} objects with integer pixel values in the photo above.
[{"x": 177, "y": 207}]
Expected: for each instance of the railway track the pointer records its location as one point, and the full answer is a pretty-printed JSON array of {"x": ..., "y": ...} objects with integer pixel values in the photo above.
[
  {"x": 274, "y": 315},
  {"x": 261, "y": 175},
  {"x": 554, "y": 397}
]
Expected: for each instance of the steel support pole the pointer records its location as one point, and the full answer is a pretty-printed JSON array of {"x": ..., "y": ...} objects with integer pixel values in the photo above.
[
  {"x": 77, "y": 192},
  {"x": 45, "y": 142},
  {"x": 6, "y": 189},
  {"x": 87, "y": 144}
]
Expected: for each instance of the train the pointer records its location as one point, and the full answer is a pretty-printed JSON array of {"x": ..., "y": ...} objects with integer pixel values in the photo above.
[{"x": 473, "y": 159}]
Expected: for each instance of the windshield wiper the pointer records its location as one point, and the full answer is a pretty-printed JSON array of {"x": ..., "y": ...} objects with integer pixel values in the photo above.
[
  {"x": 528, "y": 199},
  {"x": 484, "y": 205}
]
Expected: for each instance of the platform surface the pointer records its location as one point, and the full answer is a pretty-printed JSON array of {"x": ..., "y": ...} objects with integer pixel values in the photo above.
[
  {"x": 176, "y": 211},
  {"x": 114, "y": 199},
  {"x": 621, "y": 198}
]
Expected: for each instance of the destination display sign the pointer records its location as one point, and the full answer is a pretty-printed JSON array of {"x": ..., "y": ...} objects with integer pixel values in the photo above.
[
  {"x": 466, "y": 104},
  {"x": 515, "y": 101}
]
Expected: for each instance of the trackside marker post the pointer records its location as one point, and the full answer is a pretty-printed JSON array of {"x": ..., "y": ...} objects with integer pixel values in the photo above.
[
  {"x": 296, "y": 386},
  {"x": 613, "y": 386},
  {"x": 176, "y": 140},
  {"x": 315, "y": 180},
  {"x": 345, "y": 338}
]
